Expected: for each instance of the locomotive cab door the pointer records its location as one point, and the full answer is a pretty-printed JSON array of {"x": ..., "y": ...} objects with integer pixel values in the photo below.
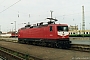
[{"x": 51, "y": 31}]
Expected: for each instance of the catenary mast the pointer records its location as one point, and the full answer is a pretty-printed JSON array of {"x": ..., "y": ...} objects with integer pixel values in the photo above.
[{"x": 83, "y": 20}]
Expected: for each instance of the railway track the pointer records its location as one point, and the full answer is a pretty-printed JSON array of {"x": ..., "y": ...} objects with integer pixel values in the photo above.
[
  {"x": 9, "y": 54},
  {"x": 77, "y": 47},
  {"x": 80, "y": 47},
  {"x": 9, "y": 40}
]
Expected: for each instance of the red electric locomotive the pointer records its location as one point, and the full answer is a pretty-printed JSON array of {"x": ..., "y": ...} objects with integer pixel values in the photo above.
[{"x": 50, "y": 34}]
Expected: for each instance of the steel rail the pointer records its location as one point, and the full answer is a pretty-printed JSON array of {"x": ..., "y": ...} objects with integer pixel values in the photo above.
[{"x": 10, "y": 54}]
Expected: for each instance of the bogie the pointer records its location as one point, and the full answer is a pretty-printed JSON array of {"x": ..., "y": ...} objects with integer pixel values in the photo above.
[{"x": 45, "y": 43}]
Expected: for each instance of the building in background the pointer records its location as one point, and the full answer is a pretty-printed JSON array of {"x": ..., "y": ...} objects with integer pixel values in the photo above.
[
  {"x": 9, "y": 34},
  {"x": 73, "y": 28}
]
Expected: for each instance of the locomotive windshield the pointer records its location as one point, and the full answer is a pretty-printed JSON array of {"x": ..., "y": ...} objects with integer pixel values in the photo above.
[{"x": 62, "y": 28}]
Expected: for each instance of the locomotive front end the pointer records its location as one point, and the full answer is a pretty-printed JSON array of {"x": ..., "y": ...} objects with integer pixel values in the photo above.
[
  {"x": 63, "y": 36},
  {"x": 62, "y": 32}
]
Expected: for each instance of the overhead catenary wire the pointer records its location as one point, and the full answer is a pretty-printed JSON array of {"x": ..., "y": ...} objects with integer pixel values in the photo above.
[{"x": 10, "y": 6}]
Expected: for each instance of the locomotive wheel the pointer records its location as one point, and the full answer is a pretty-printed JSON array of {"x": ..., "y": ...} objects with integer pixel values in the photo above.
[
  {"x": 58, "y": 45},
  {"x": 52, "y": 45}
]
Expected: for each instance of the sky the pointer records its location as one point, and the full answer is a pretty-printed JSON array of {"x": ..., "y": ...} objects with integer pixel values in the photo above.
[{"x": 34, "y": 11}]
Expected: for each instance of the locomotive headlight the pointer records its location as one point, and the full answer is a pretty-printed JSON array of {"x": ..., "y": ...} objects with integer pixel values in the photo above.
[{"x": 60, "y": 33}]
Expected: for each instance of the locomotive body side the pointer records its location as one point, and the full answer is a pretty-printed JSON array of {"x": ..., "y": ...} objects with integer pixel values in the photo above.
[{"x": 42, "y": 32}]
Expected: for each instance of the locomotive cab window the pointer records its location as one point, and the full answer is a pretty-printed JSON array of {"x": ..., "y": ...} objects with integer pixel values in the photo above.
[
  {"x": 62, "y": 28},
  {"x": 51, "y": 28}
]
